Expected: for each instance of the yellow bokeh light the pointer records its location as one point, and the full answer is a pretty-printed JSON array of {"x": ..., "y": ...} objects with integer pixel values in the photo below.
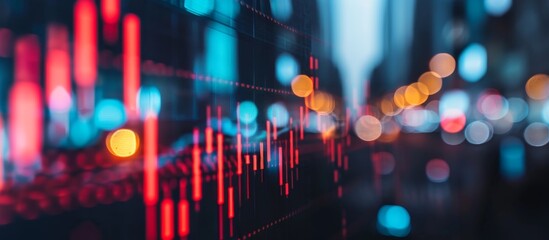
[
  {"x": 302, "y": 86},
  {"x": 321, "y": 102},
  {"x": 432, "y": 81},
  {"x": 388, "y": 106},
  {"x": 122, "y": 143},
  {"x": 537, "y": 87},
  {"x": 368, "y": 128},
  {"x": 398, "y": 97},
  {"x": 414, "y": 94},
  {"x": 443, "y": 64}
]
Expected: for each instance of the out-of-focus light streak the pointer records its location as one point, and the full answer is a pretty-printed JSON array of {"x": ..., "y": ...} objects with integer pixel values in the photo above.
[
  {"x": 280, "y": 167},
  {"x": 1, "y": 154},
  {"x": 150, "y": 164},
  {"x": 131, "y": 61},
  {"x": 220, "y": 176},
  {"x": 25, "y": 104},
  {"x": 239, "y": 154},
  {"x": 110, "y": 12},
  {"x": 85, "y": 52},
  {"x": 184, "y": 220},
  {"x": 268, "y": 139},
  {"x": 57, "y": 69},
  {"x": 167, "y": 219}
]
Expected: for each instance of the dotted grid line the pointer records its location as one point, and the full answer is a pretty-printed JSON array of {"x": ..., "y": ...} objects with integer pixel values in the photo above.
[
  {"x": 182, "y": 73},
  {"x": 274, "y": 222},
  {"x": 262, "y": 14}
]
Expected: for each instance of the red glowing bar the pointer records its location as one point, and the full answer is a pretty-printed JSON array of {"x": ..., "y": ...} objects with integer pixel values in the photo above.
[
  {"x": 261, "y": 164},
  {"x": 247, "y": 157},
  {"x": 25, "y": 104},
  {"x": 268, "y": 130},
  {"x": 110, "y": 12},
  {"x": 311, "y": 62},
  {"x": 131, "y": 58},
  {"x": 150, "y": 222},
  {"x": 184, "y": 218},
  {"x": 255, "y": 162},
  {"x": 220, "y": 184},
  {"x": 301, "y": 122},
  {"x": 85, "y": 43},
  {"x": 150, "y": 148},
  {"x": 197, "y": 175},
  {"x": 280, "y": 163},
  {"x": 209, "y": 140},
  {"x": 287, "y": 189},
  {"x": 57, "y": 72},
  {"x": 231, "y": 202},
  {"x": 1, "y": 155},
  {"x": 274, "y": 129},
  {"x": 316, "y": 63},
  {"x": 239, "y": 154},
  {"x": 291, "y": 149},
  {"x": 166, "y": 225}
]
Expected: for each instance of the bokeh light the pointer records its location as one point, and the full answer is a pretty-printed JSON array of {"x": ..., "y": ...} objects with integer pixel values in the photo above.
[
  {"x": 437, "y": 170},
  {"x": 497, "y": 7},
  {"x": 537, "y": 87},
  {"x": 281, "y": 9},
  {"x": 478, "y": 132},
  {"x": 432, "y": 81},
  {"x": 443, "y": 64},
  {"x": 393, "y": 220},
  {"x": 368, "y": 128},
  {"x": 388, "y": 107},
  {"x": 278, "y": 111},
  {"x": 286, "y": 68},
  {"x": 320, "y": 102},
  {"x": 473, "y": 62},
  {"x": 122, "y": 142},
  {"x": 493, "y": 106},
  {"x": 518, "y": 109},
  {"x": 453, "y": 121},
  {"x": 149, "y": 101},
  {"x": 536, "y": 134},
  {"x": 247, "y": 112},
  {"x": 416, "y": 94},
  {"x": 110, "y": 114},
  {"x": 399, "y": 99},
  {"x": 454, "y": 100},
  {"x": 302, "y": 85}
]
